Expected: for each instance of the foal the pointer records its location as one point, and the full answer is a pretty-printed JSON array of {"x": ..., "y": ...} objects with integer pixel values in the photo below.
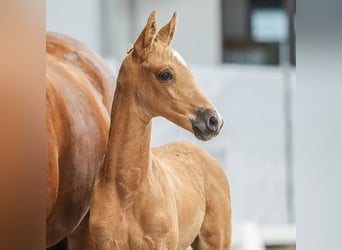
[{"x": 173, "y": 196}]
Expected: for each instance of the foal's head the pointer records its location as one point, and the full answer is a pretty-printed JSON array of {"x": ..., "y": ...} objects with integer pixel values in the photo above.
[{"x": 162, "y": 85}]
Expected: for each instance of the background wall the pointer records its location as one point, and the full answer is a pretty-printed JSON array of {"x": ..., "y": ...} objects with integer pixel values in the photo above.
[
  {"x": 110, "y": 27},
  {"x": 78, "y": 18}
]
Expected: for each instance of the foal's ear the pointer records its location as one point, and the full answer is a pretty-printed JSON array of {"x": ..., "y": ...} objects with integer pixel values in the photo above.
[
  {"x": 147, "y": 35},
  {"x": 166, "y": 33}
]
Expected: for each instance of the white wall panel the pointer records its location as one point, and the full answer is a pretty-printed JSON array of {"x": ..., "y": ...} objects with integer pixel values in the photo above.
[{"x": 77, "y": 18}]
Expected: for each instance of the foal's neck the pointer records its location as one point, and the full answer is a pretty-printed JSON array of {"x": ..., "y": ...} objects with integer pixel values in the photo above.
[{"x": 128, "y": 157}]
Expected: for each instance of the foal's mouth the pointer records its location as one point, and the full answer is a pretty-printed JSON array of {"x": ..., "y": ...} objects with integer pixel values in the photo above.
[
  {"x": 202, "y": 135},
  {"x": 207, "y": 124}
]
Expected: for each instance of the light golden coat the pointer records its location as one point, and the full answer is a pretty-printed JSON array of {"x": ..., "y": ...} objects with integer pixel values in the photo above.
[{"x": 172, "y": 196}]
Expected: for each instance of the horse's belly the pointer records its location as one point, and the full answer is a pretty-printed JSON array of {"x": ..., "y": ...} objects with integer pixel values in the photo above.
[{"x": 81, "y": 141}]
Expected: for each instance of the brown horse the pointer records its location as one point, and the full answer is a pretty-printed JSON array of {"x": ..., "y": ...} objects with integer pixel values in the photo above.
[
  {"x": 173, "y": 196},
  {"x": 78, "y": 97}
]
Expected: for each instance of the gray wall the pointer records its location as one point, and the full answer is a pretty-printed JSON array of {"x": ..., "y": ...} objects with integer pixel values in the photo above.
[
  {"x": 235, "y": 23},
  {"x": 111, "y": 26},
  {"x": 77, "y": 18}
]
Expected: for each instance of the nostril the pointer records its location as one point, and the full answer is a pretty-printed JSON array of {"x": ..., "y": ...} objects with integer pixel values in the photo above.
[{"x": 212, "y": 123}]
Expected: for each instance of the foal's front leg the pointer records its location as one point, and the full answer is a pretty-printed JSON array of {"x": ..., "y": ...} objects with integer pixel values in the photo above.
[{"x": 216, "y": 230}]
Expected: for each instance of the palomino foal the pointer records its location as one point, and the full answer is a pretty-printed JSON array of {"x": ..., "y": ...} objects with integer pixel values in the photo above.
[{"x": 173, "y": 196}]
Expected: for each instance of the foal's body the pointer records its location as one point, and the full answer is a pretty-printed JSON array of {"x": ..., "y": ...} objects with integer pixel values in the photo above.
[
  {"x": 172, "y": 196},
  {"x": 201, "y": 195},
  {"x": 159, "y": 199},
  {"x": 78, "y": 96}
]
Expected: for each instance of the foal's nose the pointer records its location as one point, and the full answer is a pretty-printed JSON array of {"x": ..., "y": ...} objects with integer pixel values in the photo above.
[
  {"x": 207, "y": 123},
  {"x": 212, "y": 123}
]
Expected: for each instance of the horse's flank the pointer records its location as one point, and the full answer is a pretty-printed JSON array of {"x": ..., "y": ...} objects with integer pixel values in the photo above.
[{"x": 78, "y": 96}]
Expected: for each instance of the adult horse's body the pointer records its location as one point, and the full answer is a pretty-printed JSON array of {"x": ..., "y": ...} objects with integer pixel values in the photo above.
[
  {"x": 172, "y": 196},
  {"x": 78, "y": 95}
]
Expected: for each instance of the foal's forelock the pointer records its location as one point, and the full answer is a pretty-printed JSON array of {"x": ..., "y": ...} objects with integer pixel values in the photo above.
[
  {"x": 166, "y": 54},
  {"x": 179, "y": 57}
]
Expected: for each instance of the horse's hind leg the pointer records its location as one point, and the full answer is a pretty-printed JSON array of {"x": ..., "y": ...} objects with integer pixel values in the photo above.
[
  {"x": 215, "y": 232},
  {"x": 81, "y": 238},
  {"x": 63, "y": 245}
]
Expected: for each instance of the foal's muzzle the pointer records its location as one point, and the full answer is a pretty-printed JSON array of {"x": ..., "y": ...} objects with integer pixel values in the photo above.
[{"x": 207, "y": 124}]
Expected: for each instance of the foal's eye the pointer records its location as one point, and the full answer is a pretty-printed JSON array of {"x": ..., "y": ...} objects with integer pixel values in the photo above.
[{"x": 165, "y": 76}]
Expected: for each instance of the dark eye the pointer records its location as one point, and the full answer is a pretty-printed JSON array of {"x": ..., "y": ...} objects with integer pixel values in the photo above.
[{"x": 165, "y": 76}]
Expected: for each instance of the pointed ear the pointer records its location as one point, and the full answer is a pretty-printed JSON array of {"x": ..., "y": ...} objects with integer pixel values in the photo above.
[
  {"x": 146, "y": 36},
  {"x": 166, "y": 33}
]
